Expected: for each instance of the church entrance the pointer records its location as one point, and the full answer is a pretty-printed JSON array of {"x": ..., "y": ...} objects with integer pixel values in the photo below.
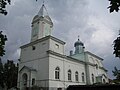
[{"x": 24, "y": 79}]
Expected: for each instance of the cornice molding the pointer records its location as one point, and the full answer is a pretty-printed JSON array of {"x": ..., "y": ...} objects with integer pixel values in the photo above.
[{"x": 43, "y": 39}]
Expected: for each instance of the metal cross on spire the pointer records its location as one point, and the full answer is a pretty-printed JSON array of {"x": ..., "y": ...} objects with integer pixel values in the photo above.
[
  {"x": 43, "y": 2},
  {"x": 43, "y": 11},
  {"x": 78, "y": 37}
]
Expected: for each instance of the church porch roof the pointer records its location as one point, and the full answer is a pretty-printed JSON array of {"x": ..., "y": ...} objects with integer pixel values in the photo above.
[{"x": 29, "y": 68}]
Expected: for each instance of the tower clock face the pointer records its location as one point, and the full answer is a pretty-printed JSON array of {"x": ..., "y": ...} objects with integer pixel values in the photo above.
[{"x": 35, "y": 30}]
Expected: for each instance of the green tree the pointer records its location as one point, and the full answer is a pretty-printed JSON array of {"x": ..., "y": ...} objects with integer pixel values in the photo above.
[
  {"x": 3, "y": 39},
  {"x": 10, "y": 74},
  {"x": 1, "y": 75},
  {"x": 116, "y": 44},
  {"x": 3, "y": 4},
  {"x": 116, "y": 73},
  {"x": 114, "y": 5}
]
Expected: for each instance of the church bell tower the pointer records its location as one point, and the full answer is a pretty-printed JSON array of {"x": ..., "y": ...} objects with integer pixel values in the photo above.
[{"x": 42, "y": 24}]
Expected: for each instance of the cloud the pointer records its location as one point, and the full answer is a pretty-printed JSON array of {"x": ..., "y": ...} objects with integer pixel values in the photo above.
[{"x": 89, "y": 19}]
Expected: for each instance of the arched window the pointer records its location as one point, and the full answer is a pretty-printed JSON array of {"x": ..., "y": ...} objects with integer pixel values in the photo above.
[
  {"x": 24, "y": 78},
  {"x": 57, "y": 73},
  {"x": 69, "y": 75},
  {"x": 76, "y": 76},
  {"x": 83, "y": 77},
  {"x": 92, "y": 78}
]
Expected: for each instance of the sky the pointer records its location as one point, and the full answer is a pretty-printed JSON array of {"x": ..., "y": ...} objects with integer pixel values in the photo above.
[{"x": 90, "y": 19}]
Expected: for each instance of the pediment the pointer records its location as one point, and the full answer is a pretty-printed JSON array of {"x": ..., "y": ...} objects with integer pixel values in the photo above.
[{"x": 27, "y": 68}]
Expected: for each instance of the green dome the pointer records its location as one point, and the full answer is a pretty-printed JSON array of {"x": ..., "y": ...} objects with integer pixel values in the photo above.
[{"x": 78, "y": 43}]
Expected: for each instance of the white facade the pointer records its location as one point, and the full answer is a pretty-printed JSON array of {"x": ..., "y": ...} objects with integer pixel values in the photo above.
[{"x": 44, "y": 64}]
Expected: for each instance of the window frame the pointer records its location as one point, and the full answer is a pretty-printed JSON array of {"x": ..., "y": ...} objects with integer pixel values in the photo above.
[
  {"x": 57, "y": 73},
  {"x": 93, "y": 80},
  {"x": 69, "y": 75},
  {"x": 33, "y": 47},
  {"x": 83, "y": 77},
  {"x": 76, "y": 76},
  {"x": 57, "y": 46},
  {"x": 33, "y": 81}
]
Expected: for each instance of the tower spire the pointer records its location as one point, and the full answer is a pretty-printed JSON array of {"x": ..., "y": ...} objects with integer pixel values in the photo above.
[
  {"x": 42, "y": 24},
  {"x": 43, "y": 11}
]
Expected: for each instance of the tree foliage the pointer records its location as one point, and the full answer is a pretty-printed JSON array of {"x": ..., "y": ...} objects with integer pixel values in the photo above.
[
  {"x": 9, "y": 74},
  {"x": 114, "y": 5},
  {"x": 3, "y": 39},
  {"x": 116, "y": 73},
  {"x": 3, "y": 4},
  {"x": 117, "y": 47},
  {"x": 1, "y": 75}
]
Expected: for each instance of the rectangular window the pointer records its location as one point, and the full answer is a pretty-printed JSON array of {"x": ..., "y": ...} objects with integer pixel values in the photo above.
[
  {"x": 33, "y": 47},
  {"x": 76, "y": 77},
  {"x": 83, "y": 78},
  {"x": 57, "y": 46},
  {"x": 69, "y": 76},
  {"x": 93, "y": 78},
  {"x": 56, "y": 75},
  {"x": 33, "y": 81}
]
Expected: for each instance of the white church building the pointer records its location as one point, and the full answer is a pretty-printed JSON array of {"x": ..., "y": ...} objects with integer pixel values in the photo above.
[{"x": 43, "y": 62}]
